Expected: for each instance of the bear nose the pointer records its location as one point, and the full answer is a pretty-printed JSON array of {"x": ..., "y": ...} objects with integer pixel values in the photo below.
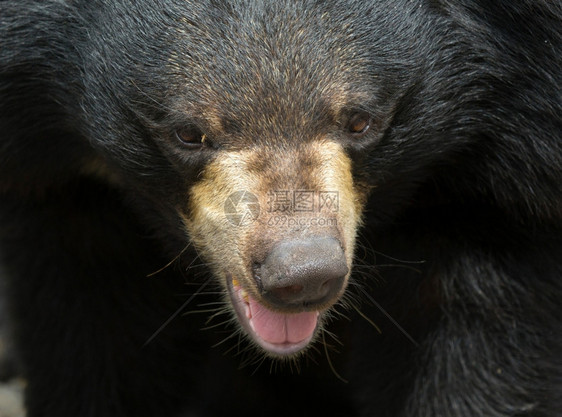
[{"x": 302, "y": 272}]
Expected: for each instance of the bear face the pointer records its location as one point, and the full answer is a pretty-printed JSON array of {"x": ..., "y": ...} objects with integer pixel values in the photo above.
[{"x": 267, "y": 124}]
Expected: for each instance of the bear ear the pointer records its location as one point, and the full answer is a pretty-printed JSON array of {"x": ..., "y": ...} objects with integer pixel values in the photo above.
[
  {"x": 359, "y": 124},
  {"x": 191, "y": 137}
]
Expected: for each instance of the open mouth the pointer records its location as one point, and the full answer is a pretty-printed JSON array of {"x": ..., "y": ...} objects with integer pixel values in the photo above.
[{"x": 280, "y": 334}]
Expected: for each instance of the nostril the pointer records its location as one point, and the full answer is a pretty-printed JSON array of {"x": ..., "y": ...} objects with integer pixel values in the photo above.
[{"x": 327, "y": 285}]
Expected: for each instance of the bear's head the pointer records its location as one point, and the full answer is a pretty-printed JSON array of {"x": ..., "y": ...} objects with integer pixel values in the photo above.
[
  {"x": 248, "y": 134},
  {"x": 276, "y": 117}
]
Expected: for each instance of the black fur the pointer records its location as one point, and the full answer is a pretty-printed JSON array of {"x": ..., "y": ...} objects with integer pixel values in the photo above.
[{"x": 462, "y": 241}]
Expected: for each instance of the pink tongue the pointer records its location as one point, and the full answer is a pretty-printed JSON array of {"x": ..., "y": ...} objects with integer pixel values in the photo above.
[{"x": 281, "y": 328}]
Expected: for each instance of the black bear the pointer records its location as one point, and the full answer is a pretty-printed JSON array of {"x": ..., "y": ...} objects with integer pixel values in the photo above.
[{"x": 340, "y": 208}]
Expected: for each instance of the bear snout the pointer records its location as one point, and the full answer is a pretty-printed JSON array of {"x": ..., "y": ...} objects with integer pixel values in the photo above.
[{"x": 302, "y": 273}]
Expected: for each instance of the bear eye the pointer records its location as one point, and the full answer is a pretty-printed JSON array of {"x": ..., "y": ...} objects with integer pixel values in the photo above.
[
  {"x": 191, "y": 137},
  {"x": 359, "y": 124}
]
